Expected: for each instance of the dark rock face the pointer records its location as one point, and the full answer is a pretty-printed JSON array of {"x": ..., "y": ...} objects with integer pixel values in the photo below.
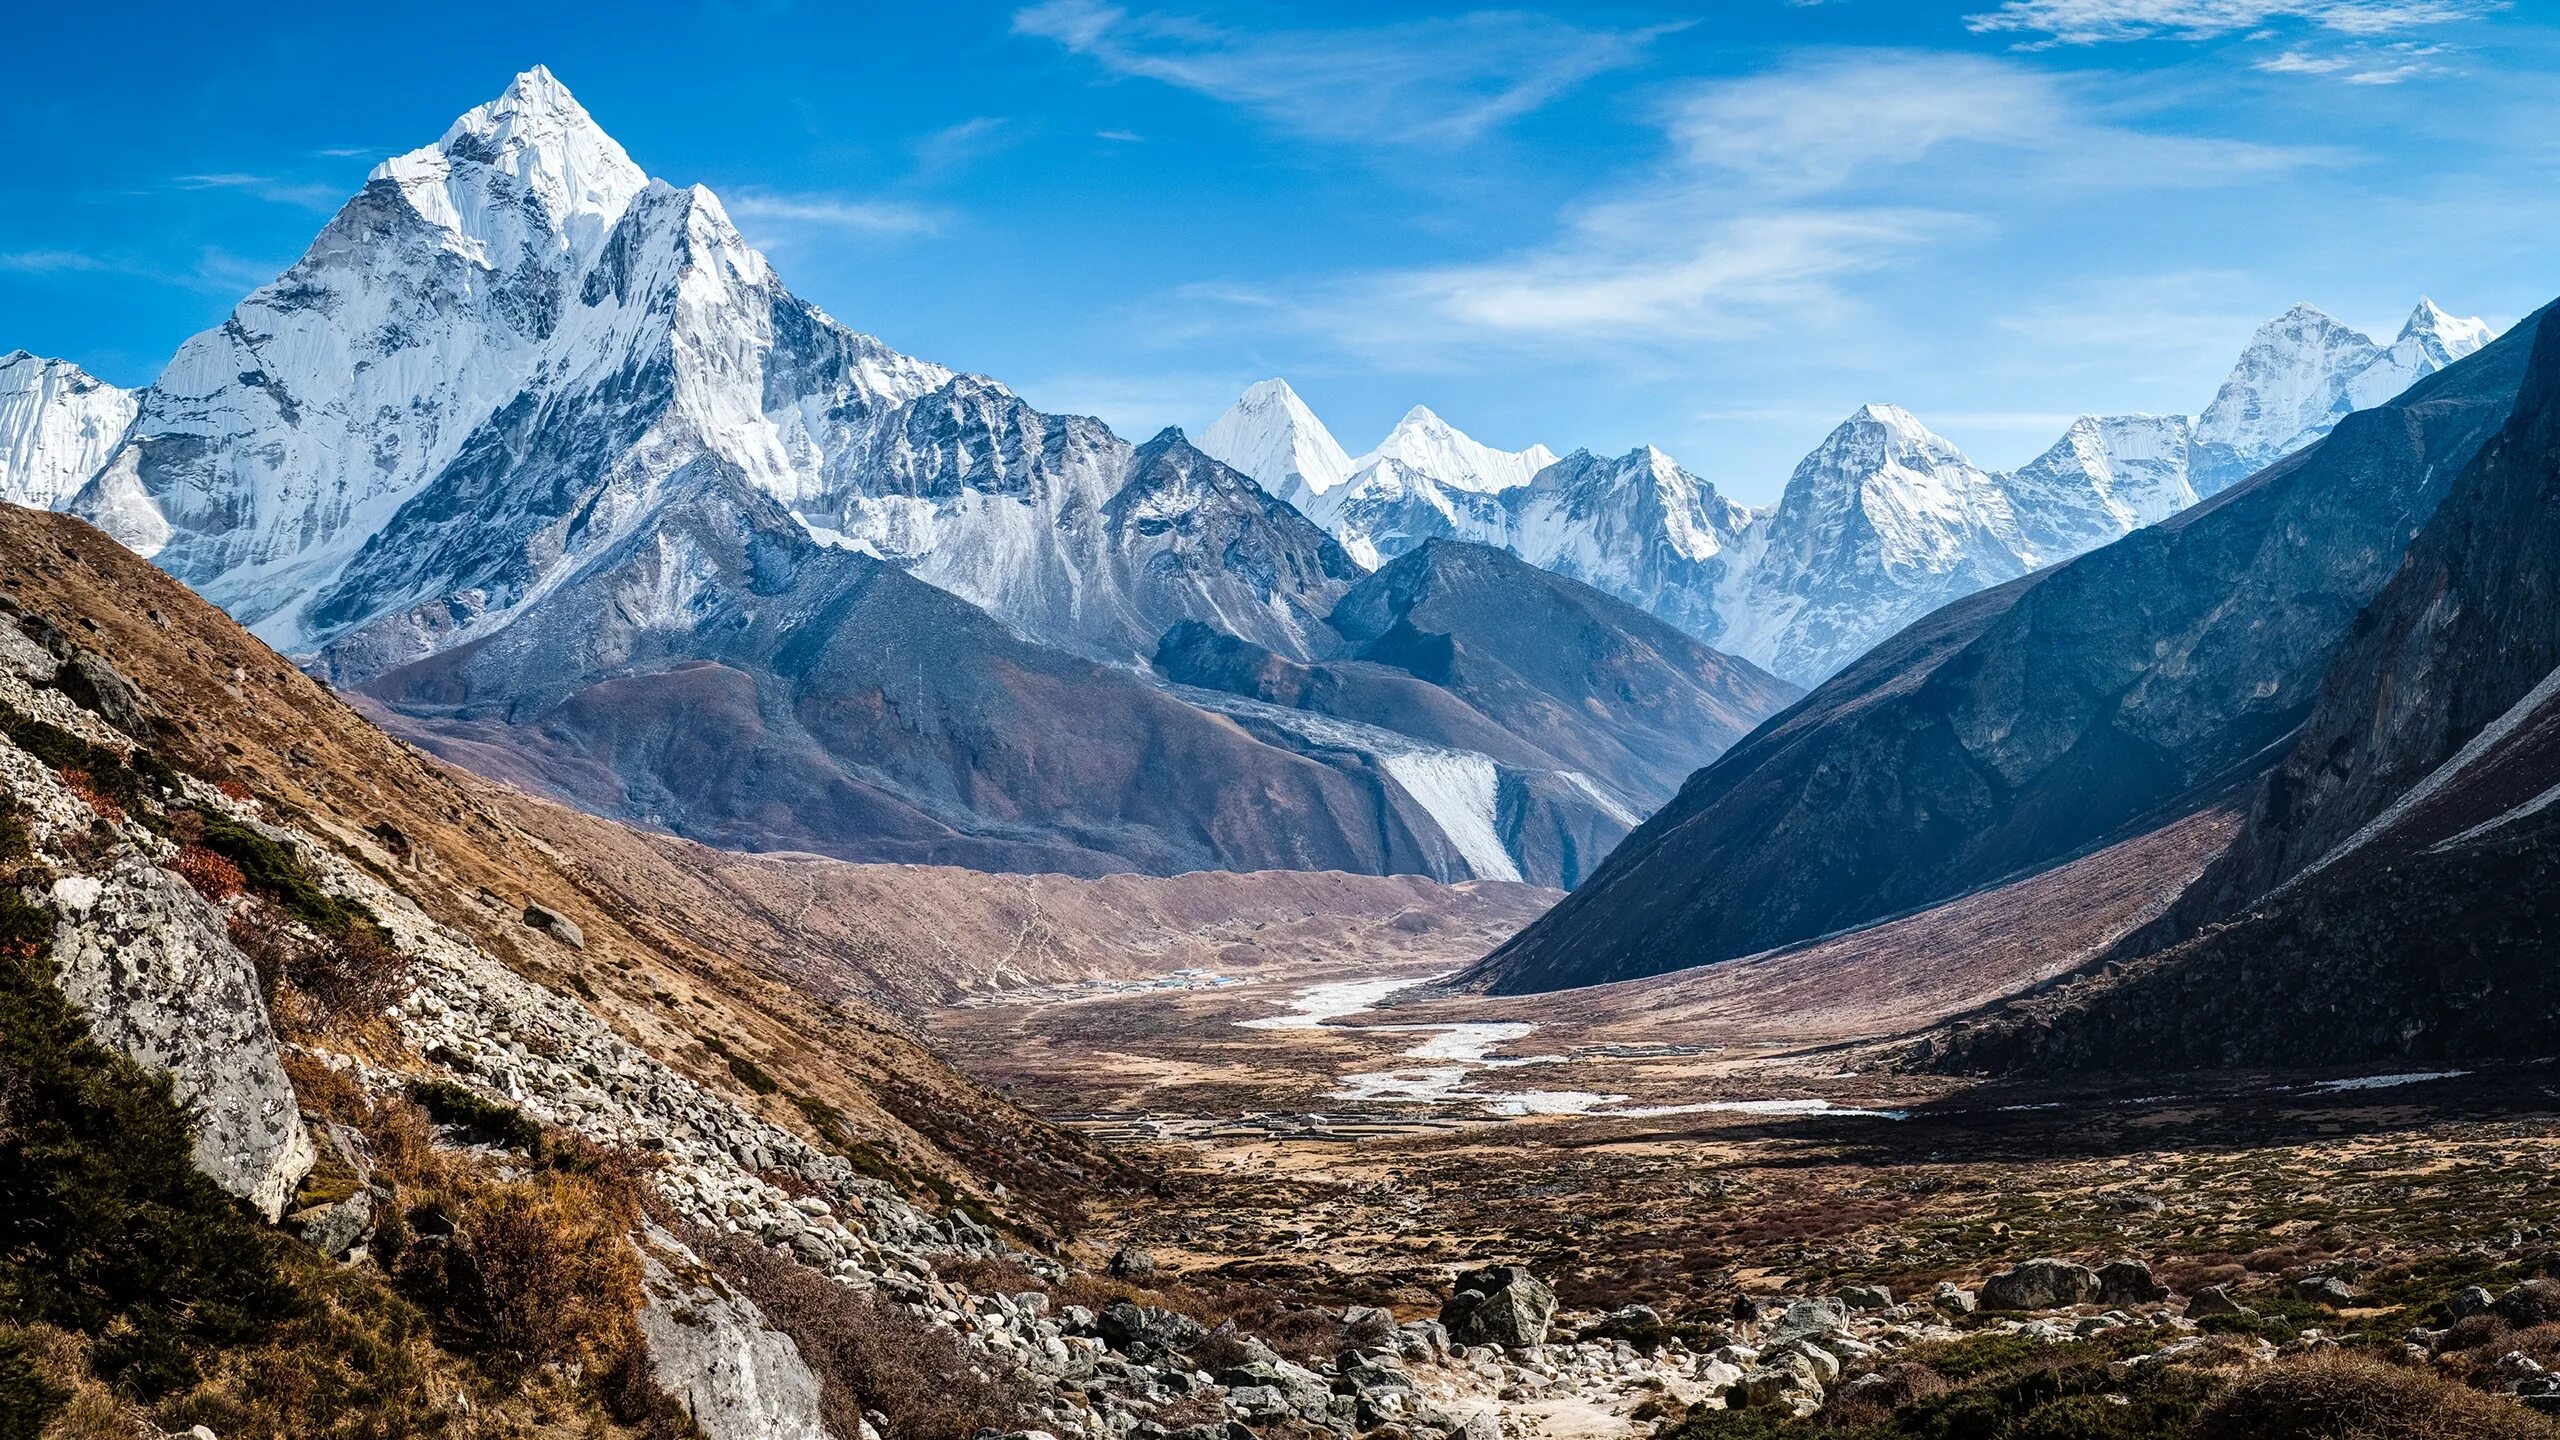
[
  {"x": 1590, "y": 709},
  {"x": 2022, "y": 725},
  {"x": 2394, "y": 890},
  {"x": 1602, "y": 686},
  {"x": 721, "y": 675}
]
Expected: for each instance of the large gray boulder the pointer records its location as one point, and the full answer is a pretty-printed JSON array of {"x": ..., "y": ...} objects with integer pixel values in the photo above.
[
  {"x": 2129, "y": 1282},
  {"x": 1499, "y": 1305},
  {"x": 712, "y": 1351},
  {"x": 148, "y": 961},
  {"x": 2040, "y": 1285}
]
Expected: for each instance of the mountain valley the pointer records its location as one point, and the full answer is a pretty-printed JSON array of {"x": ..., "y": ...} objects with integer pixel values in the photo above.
[{"x": 589, "y": 851}]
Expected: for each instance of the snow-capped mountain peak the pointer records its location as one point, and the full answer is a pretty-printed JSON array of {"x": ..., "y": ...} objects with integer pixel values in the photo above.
[
  {"x": 2304, "y": 371},
  {"x": 1271, "y": 435},
  {"x": 57, "y": 423},
  {"x": 2450, "y": 336},
  {"x": 536, "y": 133},
  {"x": 1456, "y": 459}
]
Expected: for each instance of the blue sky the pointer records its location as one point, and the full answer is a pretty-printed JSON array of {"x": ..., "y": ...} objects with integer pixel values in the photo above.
[{"x": 1715, "y": 227}]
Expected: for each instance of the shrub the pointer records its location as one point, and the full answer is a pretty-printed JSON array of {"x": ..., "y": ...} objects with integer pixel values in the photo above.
[
  {"x": 14, "y": 842},
  {"x": 107, "y": 1228},
  {"x": 497, "y": 1120},
  {"x": 536, "y": 1273},
  {"x": 112, "y": 781},
  {"x": 214, "y": 877},
  {"x": 749, "y": 1073},
  {"x": 2345, "y": 1397},
  {"x": 271, "y": 870},
  {"x": 28, "y": 1398}
]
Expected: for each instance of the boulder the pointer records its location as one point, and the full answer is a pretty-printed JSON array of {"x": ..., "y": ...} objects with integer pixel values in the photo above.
[
  {"x": 556, "y": 925},
  {"x": 2535, "y": 1302},
  {"x": 1131, "y": 1263},
  {"x": 149, "y": 962},
  {"x": 1810, "y": 1317},
  {"x": 2040, "y": 1285},
  {"x": 333, "y": 1230},
  {"x": 2129, "y": 1282},
  {"x": 2326, "y": 1290},
  {"x": 88, "y": 681},
  {"x": 1500, "y": 1305},
  {"x": 1953, "y": 1299},
  {"x": 1867, "y": 1297},
  {"x": 2215, "y": 1300},
  {"x": 712, "y": 1351},
  {"x": 1786, "y": 1381},
  {"x": 1124, "y": 1326},
  {"x": 2468, "y": 1301}
]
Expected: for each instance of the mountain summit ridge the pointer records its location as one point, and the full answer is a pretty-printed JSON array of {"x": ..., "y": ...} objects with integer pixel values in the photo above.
[{"x": 1910, "y": 520}]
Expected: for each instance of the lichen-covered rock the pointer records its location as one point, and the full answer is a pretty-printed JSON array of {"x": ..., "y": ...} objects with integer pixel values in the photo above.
[
  {"x": 712, "y": 1351},
  {"x": 2040, "y": 1285},
  {"x": 147, "y": 960},
  {"x": 2215, "y": 1300},
  {"x": 556, "y": 925},
  {"x": 2129, "y": 1282},
  {"x": 1502, "y": 1305}
]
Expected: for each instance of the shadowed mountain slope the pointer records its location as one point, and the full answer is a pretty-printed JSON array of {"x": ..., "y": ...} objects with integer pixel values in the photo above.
[{"x": 2021, "y": 725}]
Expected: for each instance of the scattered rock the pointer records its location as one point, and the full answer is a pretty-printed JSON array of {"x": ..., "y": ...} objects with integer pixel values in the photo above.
[
  {"x": 1810, "y": 1317},
  {"x": 1867, "y": 1297},
  {"x": 1131, "y": 1263},
  {"x": 333, "y": 1230},
  {"x": 2040, "y": 1285},
  {"x": 2326, "y": 1290},
  {"x": 2468, "y": 1301},
  {"x": 1953, "y": 1299}
]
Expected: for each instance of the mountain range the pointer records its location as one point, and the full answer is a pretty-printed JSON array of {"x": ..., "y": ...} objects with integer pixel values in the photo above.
[
  {"x": 535, "y": 454},
  {"x": 2039, "y": 720},
  {"x": 1883, "y": 522}
]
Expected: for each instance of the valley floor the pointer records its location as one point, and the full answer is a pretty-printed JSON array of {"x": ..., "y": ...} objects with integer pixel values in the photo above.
[{"x": 1353, "y": 1134}]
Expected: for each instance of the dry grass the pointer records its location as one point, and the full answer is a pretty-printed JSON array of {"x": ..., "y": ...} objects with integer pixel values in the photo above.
[{"x": 2350, "y": 1398}]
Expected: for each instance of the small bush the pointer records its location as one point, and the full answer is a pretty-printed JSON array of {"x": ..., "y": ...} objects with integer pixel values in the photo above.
[
  {"x": 497, "y": 1120},
  {"x": 214, "y": 877},
  {"x": 824, "y": 1118},
  {"x": 103, "y": 773},
  {"x": 28, "y": 1398},
  {"x": 749, "y": 1073},
  {"x": 535, "y": 1274},
  {"x": 2347, "y": 1397},
  {"x": 15, "y": 845},
  {"x": 271, "y": 870}
]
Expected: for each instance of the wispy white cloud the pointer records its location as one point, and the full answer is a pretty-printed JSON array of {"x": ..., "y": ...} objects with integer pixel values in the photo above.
[
  {"x": 305, "y": 194},
  {"x": 834, "y": 213},
  {"x": 46, "y": 262},
  {"x": 1439, "y": 80},
  {"x": 1777, "y": 192},
  {"x": 2090, "y": 22},
  {"x": 955, "y": 145},
  {"x": 1122, "y": 137}
]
